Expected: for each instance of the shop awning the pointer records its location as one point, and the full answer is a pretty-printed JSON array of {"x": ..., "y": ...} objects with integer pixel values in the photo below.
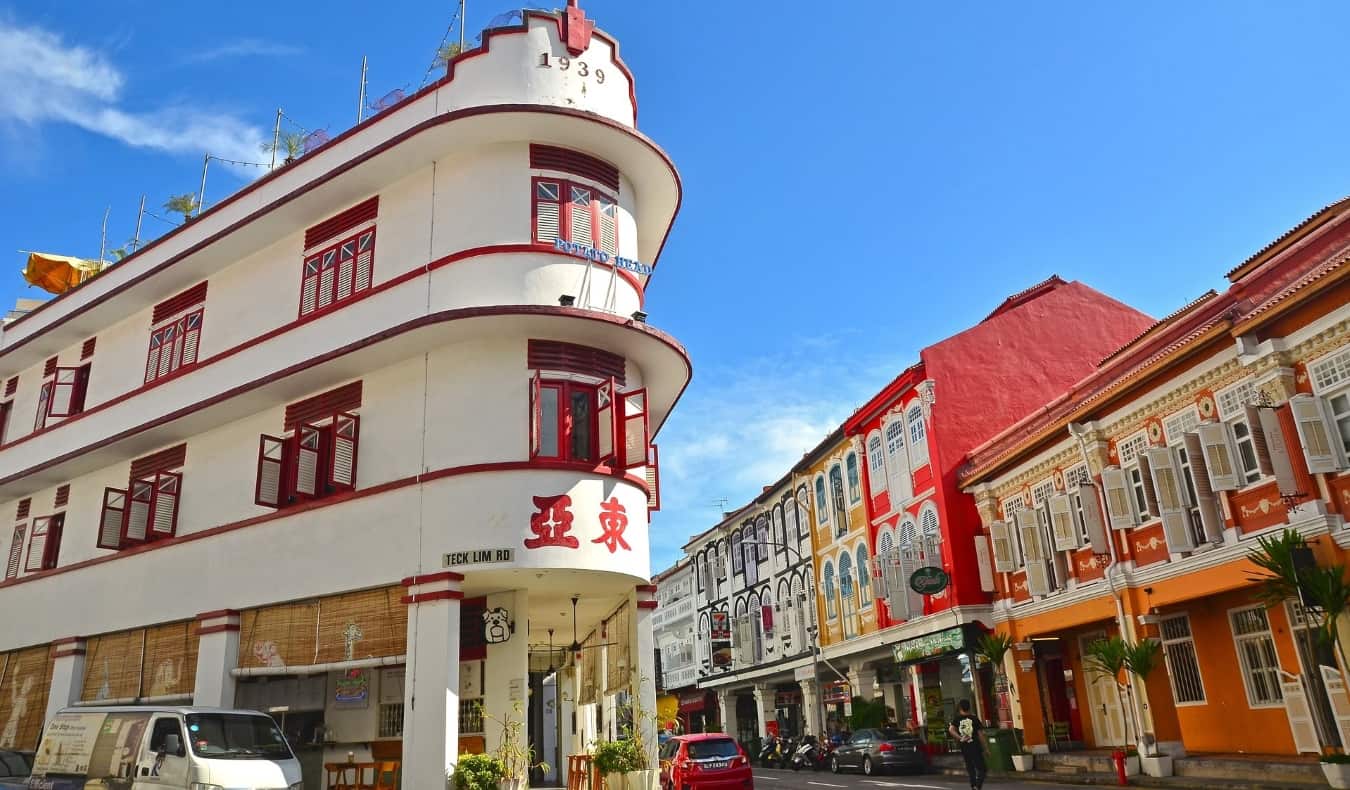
[{"x": 58, "y": 273}]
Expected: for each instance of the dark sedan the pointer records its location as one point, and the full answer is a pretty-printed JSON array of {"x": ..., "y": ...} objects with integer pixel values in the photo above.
[{"x": 874, "y": 751}]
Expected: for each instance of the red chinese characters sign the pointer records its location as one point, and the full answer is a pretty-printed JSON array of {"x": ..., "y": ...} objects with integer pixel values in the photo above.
[{"x": 553, "y": 522}]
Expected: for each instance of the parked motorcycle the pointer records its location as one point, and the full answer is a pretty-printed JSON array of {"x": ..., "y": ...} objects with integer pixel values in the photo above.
[
  {"x": 771, "y": 754},
  {"x": 812, "y": 754}
]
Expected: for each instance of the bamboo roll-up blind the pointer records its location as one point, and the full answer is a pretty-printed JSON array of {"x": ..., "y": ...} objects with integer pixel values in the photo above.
[
  {"x": 170, "y": 665},
  {"x": 373, "y": 622},
  {"x": 25, "y": 677},
  {"x": 590, "y": 668},
  {"x": 112, "y": 665},
  {"x": 618, "y": 663}
]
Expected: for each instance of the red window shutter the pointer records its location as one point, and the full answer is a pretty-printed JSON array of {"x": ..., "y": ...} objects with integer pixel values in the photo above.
[
  {"x": 328, "y": 266},
  {"x": 152, "y": 356},
  {"x": 335, "y": 226},
  {"x": 49, "y": 368},
  {"x": 547, "y": 210},
  {"x": 174, "y": 305},
  {"x": 37, "y": 545},
  {"x": 635, "y": 430},
  {"x": 52, "y": 555},
  {"x": 324, "y": 405},
  {"x": 563, "y": 160},
  {"x": 44, "y": 402},
  {"x": 11, "y": 386},
  {"x": 573, "y": 358},
  {"x": 192, "y": 335},
  {"x": 309, "y": 286},
  {"x": 606, "y": 419},
  {"x": 25, "y": 505},
  {"x": 653, "y": 480},
  {"x": 111, "y": 518},
  {"x": 62, "y": 399},
  {"x": 87, "y": 350},
  {"x": 164, "y": 511},
  {"x": 308, "y": 445},
  {"x": 15, "y": 553},
  {"x": 62, "y": 496},
  {"x": 270, "y": 489},
  {"x": 140, "y": 503},
  {"x": 165, "y": 460},
  {"x": 81, "y": 388},
  {"x": 536, "y": 414},
  {"x": 346, "y": 435},
  {"x": 581, "y": 215},
  {"x": 365, "y": 260}
]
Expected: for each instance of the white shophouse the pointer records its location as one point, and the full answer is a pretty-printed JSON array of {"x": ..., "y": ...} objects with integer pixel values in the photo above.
[{"x": 368, "y": 443}]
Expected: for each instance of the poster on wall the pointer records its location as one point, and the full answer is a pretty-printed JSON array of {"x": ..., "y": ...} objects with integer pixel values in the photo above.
[
  {"x": 934, "y": 715},
  {"x": 352, "y": 688},
  {"x": 721, "y": 626}
]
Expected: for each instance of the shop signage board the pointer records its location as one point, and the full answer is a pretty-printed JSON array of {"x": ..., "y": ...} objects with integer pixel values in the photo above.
[
  {"x": 929, "y": 580},
  {"x": 938, "y": 643},
  {"x": 477, "y": 557},
  {"x": 352, "y": 688},
  {"x": 837, "y": 691},
  {"x": 720, "y": 632}
]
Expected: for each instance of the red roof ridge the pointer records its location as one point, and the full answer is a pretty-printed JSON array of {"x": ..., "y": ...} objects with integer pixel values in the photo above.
[
  {"x": 1022, "y": 297},
  {"x": 1236, "y": 272},
  {"x": 1177, "y": 313}
]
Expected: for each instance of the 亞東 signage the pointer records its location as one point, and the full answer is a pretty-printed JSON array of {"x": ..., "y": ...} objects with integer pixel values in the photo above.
[
  {"x": 477, "y": 557},
  {"x": 938, "y": 643},
  {"x": 600, "y": 256},
  {"x": 929, "y": 580}
]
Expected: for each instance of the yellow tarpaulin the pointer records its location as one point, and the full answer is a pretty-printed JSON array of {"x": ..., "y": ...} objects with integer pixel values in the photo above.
[{"x": 58, "y": 273}]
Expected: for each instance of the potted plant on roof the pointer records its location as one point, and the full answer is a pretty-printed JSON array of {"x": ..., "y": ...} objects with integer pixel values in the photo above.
[
  {"x": 1106, "y": 657},
  {"x": 1141, "y": 658},
  {"x": 290, "y": 145},
  {"x": 184, "y": 204}
]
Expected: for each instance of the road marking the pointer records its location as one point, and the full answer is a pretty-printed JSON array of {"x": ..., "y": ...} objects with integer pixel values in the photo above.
[
  {"x": 923, "y": 787},
  {"x": 884, "y": 784},
  {"x": 771, "y": 778},
  {"x": 825, "y": 784}
]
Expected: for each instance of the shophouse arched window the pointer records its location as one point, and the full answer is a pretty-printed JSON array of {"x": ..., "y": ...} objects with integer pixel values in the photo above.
[
  {"x": 830, "y": 611},
  {"x": 876, "y": 463},
  {"x": 846, "y": 575},
  {"x": 918, "y": 444},
  {"x": 762, "y": 549},
  {"x": 736, "y": 555},
  {"x": 897, "y": 463},
  {"x": 864, "y": 577},
  {"x": 822, "y": 503},
  {"x": 779, "y": 531},
  {"x": 854, "y": 479},
  {"x": 840, "y": 514},
  {"x": 802, "y": 515}
]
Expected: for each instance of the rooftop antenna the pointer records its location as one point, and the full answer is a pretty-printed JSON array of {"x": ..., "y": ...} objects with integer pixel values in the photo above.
[
  {"x": 276, "y": 141},
  {"x": 721, "y": 503},
  {"x": 103, "y": 240},
  {"x": 140, "y": 215},
  {"x": 461, "y": 25},
  {"x": 361, "y": 97},
  {"x": 201, "y": 194}
]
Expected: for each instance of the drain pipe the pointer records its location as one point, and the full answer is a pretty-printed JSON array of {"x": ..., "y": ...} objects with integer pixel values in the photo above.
[{"x": 1079, "y": 432}]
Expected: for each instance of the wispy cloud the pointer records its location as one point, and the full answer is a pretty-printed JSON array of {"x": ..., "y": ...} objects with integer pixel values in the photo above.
[
  {"x": 43, "y": 80},
  {"x": 244, "y": 48},
  {"x": 742, "y": 426}
]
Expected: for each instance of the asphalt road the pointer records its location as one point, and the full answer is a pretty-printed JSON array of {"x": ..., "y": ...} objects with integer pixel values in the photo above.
[{"x": 777, "y": 779}]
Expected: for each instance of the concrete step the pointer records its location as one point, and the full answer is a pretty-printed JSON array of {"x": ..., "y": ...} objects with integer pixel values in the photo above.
[{"x": 1245, "y": 768}]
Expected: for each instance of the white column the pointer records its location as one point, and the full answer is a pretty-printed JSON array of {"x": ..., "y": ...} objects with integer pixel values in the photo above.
[
  {"x": 764, "y": 708},
  {"x": 810, "y": 708},
  {"x": 67, "y": 676},
  {"x": 864, "y": 682},
  {"x": 643, "y": 674},
  {"x": 506, "y": 683},
  {"x": 431, "y": 690},
  {"x": 217, "y": 657},
  {"x": 568, "y": 734},
  {"x": 726, "y": 703}
]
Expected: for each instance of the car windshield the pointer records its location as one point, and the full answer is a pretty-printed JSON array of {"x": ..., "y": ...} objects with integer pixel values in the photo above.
[
  {"x": 236, "y": 737},
  {"x": 894, "y": 735},
  {"x": 715, "y": 747}
]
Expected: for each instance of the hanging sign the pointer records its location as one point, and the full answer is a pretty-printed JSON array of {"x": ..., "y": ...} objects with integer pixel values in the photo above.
[
  {"x": 929, "y": 645},
  {"x": 837, "y": 691},
  {"x": 353, "y": 687},
  {"x": 929, "y": 580}
]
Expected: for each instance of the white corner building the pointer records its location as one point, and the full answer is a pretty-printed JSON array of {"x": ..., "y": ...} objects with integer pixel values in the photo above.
[{"x": 367, "y": 444}]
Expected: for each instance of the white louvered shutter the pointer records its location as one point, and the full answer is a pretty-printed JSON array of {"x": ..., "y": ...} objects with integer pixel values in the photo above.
[
  {"x": 1033, "y": 549},
  {"x": 1119, "y": 499},
  {"x": 606, "y": 425},
  {"x": 152, "y": 358},
  {"x": 137, "y": 526},
  {"x": 547, "y": 210},
  {"x": 1273, "y": 450},
  {"x": 111, "y": 518},
  {"x": 580, "y": 226},
  {"x": 308, "y": 453},
  {"x": 985, "y": 565},
  {"x": 1208, "y": 503},
  {"x": 1004, "y": 559},
  {"x": 1259, "y": 443},
  {"x": 365, "y": 259},
  {"x": 15, "y": 553},
  {"x": 609, "y": 226},
  {"x": 1086, "y": 494},
  {"x": 636, "y": 433},
  {"x": 327, "y": 276},
  {"x": 1300, "y": 713},
  {"x": 164, "y": 517},
  {"x": 1146, "y": 479},
  {"x": 1217, "y": 446},
  {"x": 1321, "y": 445},
  {"x": 37, "y": 545},
  {"x": 1062, "y": 523},
  {"x": 192, "y": 337},
  {"x": 653, "y": 475},
  {"x": 1171, "y": 497},
  {"x": 309, "y": 288},
  {"x": 342, "y": 453},
  {"x": 346, "y": 268},
  {"x": 1340, "y": 702}
]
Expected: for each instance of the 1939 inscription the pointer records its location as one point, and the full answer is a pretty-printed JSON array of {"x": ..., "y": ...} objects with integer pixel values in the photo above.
[{"x": 580, "y": 67}]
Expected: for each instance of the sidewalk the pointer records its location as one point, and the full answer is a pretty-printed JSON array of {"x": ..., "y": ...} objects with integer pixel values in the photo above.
[{"x": 1104, "y": 779}]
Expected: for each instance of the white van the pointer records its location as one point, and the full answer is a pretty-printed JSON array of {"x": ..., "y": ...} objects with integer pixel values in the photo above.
[{"x": 140, "y": 748}]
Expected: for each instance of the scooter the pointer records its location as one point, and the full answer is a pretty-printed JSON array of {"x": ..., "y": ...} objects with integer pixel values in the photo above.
[
  {"x": 771, "y": 753},
  {"x": 812, "y": 754}
]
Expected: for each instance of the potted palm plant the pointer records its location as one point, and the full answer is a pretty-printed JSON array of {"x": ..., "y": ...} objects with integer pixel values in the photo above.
[
  {"x": 290, "y": 145},
  {"x": 516, "y": 758},
  {"x": 1106, "y": 657},
  {"x": 1141, "y": 658},
  {"x": 184, "y": 204}
]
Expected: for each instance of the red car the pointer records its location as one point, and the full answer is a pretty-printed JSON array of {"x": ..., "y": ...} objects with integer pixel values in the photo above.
[{"x": 709, "y": 761}]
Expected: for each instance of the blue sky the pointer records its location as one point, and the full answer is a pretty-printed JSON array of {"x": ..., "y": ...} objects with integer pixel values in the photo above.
[{"x": 861, "y": 179}]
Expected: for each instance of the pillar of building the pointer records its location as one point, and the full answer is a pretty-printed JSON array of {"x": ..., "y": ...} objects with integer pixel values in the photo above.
[
  {"x": 892, "y": 699},
  {"x": 568, "y": 740},
  {"x": 67, "y": 675},
  {"x": 863, "y": 679},
  {"x": 431, "y": 689},
  {"x": 507, "y": 679},
  {"x": 217, "y": 658},
  {"x": 643, "y": 655},
  {"x": 726, "y": 705},
  {"x": 810, "y": 707},
  {"x": 764, "y": 707}
]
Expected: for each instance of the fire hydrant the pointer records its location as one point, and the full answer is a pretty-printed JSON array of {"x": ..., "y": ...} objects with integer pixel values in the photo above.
[{"x": 1118, "y": 757}]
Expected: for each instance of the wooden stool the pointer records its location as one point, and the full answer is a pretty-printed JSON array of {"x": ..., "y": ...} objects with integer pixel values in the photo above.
[
  {"x": 362, "y": 769},
  {"x": 335, "y": 776},
  {"x": 386, "y": 775}
]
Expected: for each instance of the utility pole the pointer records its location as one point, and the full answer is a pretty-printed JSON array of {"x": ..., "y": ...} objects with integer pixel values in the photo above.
[
  {"x": 140, "y": 215},
  {"x": 461, "y": 25},
  {"x": 201, "y": 193},
  {"x": 103, "y": 240},
  {"x": 361, "y": 97},
  {"x": 276, "y": 141}
]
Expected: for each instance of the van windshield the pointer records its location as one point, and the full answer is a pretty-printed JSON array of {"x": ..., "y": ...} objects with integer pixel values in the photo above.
[{"x": 236, "y": 737}]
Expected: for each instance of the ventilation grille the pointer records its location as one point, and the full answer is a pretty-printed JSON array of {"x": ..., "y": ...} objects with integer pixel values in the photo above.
[
  {"x": 11, "y": 386},
  {"x": 361, "y": 212},
  {"x": 87, "y": 350},
  {"x": 162, "y": 461},
  {"x": 24, "y": 506},
  {"x": 49, "y": 368},
  {"x": 177, "y": 304},
  {"x": 561, "y": 160},
  {"x": 553, "y": 355},
  {"x": 62, "y": 496},
  {"x": 344, "y": 398}
]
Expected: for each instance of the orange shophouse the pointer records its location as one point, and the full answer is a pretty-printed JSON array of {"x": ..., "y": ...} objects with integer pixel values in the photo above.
[{"x": 1129, "y": 505}]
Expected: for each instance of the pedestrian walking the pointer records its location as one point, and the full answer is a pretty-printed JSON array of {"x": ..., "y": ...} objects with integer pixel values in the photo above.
[{"x": 968, "y": 731}]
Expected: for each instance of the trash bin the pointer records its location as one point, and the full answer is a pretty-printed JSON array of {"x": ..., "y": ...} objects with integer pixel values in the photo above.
[{"x": 1002, "y": 746}]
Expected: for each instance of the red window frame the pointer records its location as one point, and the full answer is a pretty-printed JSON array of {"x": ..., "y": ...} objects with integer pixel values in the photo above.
[
  {"x": 16, "y": 551},
  {"x": 42, "y": 555},
  {"x": 332, "y": 274},
  {"x": 6, "y": 412},
  {"x": 600, "y": 204},
  {"x": 62, "y": 394},
  {"x": 318, "y": 459},
  {"x": 620, "y": 434},
  {"x": 566, "y": 427},
  {"x": 144, "y": 512},
  {"x": 182, "y": 336}
]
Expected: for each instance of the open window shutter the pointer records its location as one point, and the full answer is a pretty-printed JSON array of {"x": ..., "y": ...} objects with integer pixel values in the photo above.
[
  {"x": 915, "y": 599},
  {"x": 342, "y": 454},
  {"x": 1321, "y": 445},
  {"x": 1340, "y": 701},
  {"x": 607, "y": 219},
  {"x": 37, "y": 545},
  {"x": 1119, "y": 500},
  {"x": 1207, "y": 502},
  {"x": 1029, "y": 530},
  {"x": 1004, "y": 561},
  {"x": 63, "y": 393},
  {"x": 111, "y": 518},
  {"x": 308, "y": 452},
  {"x": 982, "y": 560},
  {"x": 547, "y": 210},
  {"x": 269, "y": 490},
  {"x": 1146, "y": 478},
  {"x": 606, "y": 425},
  {"x": 44, "y": 402},
  {"x": 1298, "y": 710},
  {"x": 136, "y": 525},
  {"x": 15, "y": 553},
  {"x": 168, "y": 342},
  {"x": 164, "y": 519},
  {"x": 1062, "y": 523},
  {"x": 1086, "y": 494},
  {"x": 635, "y": 434},
  {"x": 309, "y": 286},
  {"x": 1216, "y": 444},
  {"x": 580, "y": 228},
  {"x": 536, "y": 415},
  {"x": 1272, "y": 449},
  {"x": 152, "y": 357},
  {"x": 1260, "y": 441},
  {"x": 365, "y": 259},
  {"x": 1171, "y": 498},
  {"x": 653, "y": 479}
]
